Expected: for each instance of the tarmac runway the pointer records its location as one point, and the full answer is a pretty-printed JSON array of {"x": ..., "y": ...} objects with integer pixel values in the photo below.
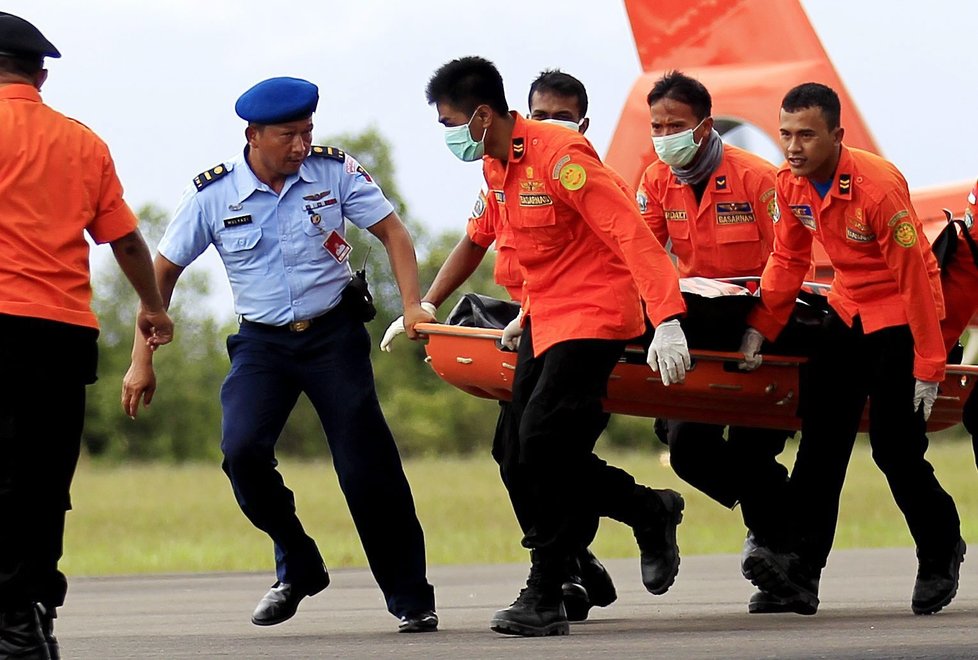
[{"x": 865, "y": 613}]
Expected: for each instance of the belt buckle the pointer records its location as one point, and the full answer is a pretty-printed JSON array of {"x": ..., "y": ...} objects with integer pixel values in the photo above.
[{"x": 300, "y": 326}]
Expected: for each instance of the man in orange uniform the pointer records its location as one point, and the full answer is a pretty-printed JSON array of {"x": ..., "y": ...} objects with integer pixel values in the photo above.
[
  {"x": 715, "y": 203},
  {"x": 586, "y": 255},
  {"x": 882, "y": 342},
  {"x": 57, "y": 182},
  {"x": 558, "y": 98}
]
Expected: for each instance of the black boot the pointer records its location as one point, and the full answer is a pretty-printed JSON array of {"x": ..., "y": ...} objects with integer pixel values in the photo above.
[
  {"x": 577, "y": 600},
  {"x": 539, "y": 609},
  {"x": 661, "y": 511},
  {"x": 937, "y": 580},
  {"x": 784, "y": 575},
  {"x": 597, "y": 581},
  {"x": 21, "y": 635}
]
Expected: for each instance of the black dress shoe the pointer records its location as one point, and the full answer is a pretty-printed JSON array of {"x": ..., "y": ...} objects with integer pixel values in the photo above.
[
  {"x": 281, "y": 602},
  {"x": 937, "y": 581},
  {"x": 419, "y": 622}
]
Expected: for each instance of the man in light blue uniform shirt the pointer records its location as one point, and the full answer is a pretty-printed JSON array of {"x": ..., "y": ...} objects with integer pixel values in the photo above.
[{"x": 275, "y": 214}]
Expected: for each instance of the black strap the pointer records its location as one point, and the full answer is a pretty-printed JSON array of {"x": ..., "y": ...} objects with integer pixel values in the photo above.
[
  {"x": 945, "y": 246},
  {"x": 969, "y": 240}
]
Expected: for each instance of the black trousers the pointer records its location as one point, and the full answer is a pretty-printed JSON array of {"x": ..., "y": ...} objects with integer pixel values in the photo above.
[
  {"x": 330, "y": 363},
  {"x": 850, "y": 367},
  {"x": 44, "y": 368},
  {"x": 742, "y": 467},
  {"x": 559, "y": 480},
  {"x": 505, "y": 451}
]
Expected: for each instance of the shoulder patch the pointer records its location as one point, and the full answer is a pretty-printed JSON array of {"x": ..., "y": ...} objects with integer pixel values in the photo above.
[
  {"x": 328, "y": 152},
  {"x": 205, "y": 179}
]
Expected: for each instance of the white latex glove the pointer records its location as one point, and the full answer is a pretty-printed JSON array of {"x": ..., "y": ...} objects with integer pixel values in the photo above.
[
  {"x": 924, "y": 394},
  {"x": 669, "y": 353},
  {"x": 512, "y": 332},
  {"x": 750, "y": 346},
  {"x": 397, "y": 327}
]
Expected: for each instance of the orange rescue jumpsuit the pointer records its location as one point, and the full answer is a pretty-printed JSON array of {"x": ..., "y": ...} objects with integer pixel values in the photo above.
[
  {"x": 729, "y": 233},
  {"x": 883, "y": 332}
]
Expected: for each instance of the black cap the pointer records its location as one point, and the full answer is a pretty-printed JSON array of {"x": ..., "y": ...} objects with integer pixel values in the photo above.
[{"x": 18, "y": 38}]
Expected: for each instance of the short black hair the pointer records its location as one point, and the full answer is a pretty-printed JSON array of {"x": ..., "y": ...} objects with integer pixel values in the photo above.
[
  {"x": 21, "y": 65},
  {"x": 558, "y": 83},
  {"x": 467, "y": 83},
  {"x": 678, "y": 86},
  {"x": 814, "y": 95}
]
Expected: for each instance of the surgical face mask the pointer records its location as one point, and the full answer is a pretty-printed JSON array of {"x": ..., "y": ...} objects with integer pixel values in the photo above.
[
  {"x": 572, "y": 125},
  {"x": 460, "y": 142},
  {"x": 678, "y": 149}
]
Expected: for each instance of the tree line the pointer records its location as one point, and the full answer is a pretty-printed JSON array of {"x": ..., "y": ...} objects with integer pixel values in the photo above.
[{"x": 183, "y": 423}]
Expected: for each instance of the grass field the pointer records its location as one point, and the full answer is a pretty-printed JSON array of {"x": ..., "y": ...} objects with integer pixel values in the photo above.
[{"x": 165, "y": 519}]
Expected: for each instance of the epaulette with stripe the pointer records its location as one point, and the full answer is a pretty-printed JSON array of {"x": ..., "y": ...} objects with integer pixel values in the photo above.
[
  {"x": 205, "y": 179},
  {"x": 328, "y": 152}
]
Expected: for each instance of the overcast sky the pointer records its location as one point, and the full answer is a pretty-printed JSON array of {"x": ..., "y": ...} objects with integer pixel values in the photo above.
[{"x": 158, "y": 80}]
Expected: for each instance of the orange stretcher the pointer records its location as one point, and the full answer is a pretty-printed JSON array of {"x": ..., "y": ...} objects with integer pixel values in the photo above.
[{"x": 714, "y": 392}]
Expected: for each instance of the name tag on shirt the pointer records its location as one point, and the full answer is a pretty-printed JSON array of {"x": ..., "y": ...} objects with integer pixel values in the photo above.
[
  {"x": 337, "y": 246},
  {"x": 237, "y": 221}
]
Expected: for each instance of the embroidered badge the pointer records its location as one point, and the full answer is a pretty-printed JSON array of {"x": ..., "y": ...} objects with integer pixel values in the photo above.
[
  {"x": 675, "y": 216},
  {"x": 560, "y": 163},
  {"x": 534, "y": 199},
  {"x": 518, "y": 147},
  {"x": 643, "y": 202},
  {"x": 500, "y": 196},
  {"x": 480, "y": 206},
  {"x": 804, "y": 214},
  {"x": 769, "y": 200},
  {"x": 897, "y": 217},
  {"x": 318, "y": 196},
  {"x": 721, "y": 183},
  {"x": 573, "y": 176},
  {"x": 734, "y": 213},
  {"x": 845, "y": 184},
  {"x": 905, "y": 234}
]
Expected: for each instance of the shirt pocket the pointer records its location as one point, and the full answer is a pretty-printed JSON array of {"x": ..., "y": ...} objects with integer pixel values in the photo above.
[
  {"x": 743, "y": 232},
  {"x": 240, "y": 251},
  {"x": 315, "y": 233},
  {"x": 542, "y": 228},
  {"x": 678, "y": 230}
]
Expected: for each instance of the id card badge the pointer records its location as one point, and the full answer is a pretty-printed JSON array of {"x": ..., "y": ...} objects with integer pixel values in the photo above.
[{"x": 337, "y": 246}]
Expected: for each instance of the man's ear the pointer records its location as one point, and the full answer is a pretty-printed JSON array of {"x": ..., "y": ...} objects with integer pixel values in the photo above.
[
  {"x": 39, "y": 78},
  {"x": 584, "y": 124}
]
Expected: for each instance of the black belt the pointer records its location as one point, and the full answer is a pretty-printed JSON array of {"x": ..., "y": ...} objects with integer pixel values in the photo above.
[{"x": 295, "y": 326}]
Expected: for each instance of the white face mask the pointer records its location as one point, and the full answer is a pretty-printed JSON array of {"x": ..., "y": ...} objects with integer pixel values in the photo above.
[
  {"x": 678, "y": 149},
  {"x": 574, "y": 126}
]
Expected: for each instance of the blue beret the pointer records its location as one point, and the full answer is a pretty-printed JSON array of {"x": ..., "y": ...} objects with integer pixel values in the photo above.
[
  {"x": 278, "y": 100},
  {"x": 19, "y": 38}
]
